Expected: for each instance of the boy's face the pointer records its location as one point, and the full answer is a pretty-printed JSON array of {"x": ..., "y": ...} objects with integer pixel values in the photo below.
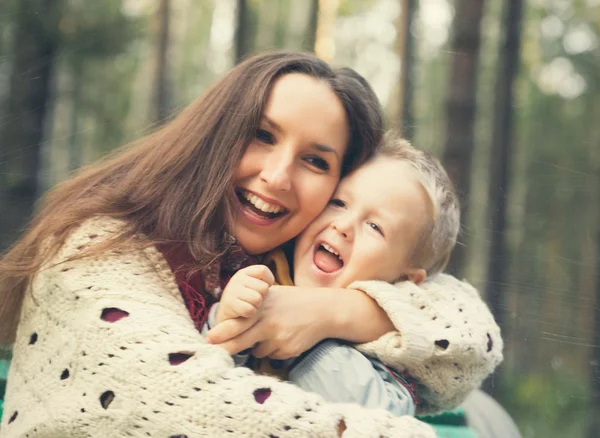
[{"x": 368, "y": 230}]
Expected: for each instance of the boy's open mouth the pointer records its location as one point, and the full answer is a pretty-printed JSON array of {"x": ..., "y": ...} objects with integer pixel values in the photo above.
[
  {"x": 259, "y": 207},
  {"x": 327, "y": 258}
]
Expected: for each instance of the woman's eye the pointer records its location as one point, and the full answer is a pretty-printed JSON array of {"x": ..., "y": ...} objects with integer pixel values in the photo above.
[
  {"x": 376, "y": 227},
  {"x": 318, "y": 162},
  {"x": 265, "y": 136},
  {"x": 337, "y": 202}
]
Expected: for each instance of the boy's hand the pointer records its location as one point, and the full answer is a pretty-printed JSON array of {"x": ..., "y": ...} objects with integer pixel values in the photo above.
[
  {"x": 245, "y": 292},
  {"x": 289, "y": 322}
]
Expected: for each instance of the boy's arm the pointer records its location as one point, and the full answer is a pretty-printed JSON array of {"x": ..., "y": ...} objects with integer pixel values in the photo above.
[
  {"x": 240, "y": 358},
  {"x": 446, "y": 337},
  {"x": 341, "y": 374},
  {"x": 244, "y": 293},
  {"x": 240, "y": 299}
]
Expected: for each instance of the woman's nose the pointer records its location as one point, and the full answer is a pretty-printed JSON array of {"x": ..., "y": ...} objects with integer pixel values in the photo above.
[{"x": 277, "y": 172}]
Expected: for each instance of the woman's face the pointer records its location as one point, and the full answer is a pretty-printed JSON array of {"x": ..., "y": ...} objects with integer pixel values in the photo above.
[{"x": 291, "y": 168}]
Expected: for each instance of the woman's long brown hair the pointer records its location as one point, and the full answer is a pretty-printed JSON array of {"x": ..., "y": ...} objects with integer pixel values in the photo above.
[{"x": 174, "y": 185}]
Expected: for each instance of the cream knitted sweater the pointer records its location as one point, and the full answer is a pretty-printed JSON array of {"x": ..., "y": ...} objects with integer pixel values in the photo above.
[{"x": 75, "y": 374}]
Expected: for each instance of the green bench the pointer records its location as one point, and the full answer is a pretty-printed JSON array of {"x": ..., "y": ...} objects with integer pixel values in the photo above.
[
  {"x": 3, "y": 373},
  {"x": 451, "y": 424},
  {"x": 5, "y": 356}
]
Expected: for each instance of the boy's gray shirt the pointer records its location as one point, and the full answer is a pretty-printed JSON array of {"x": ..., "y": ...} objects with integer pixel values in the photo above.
[{"x": 341, "y": 374}]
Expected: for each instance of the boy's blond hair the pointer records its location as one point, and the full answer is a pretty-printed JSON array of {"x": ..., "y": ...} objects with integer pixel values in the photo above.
[{"x": 439, "y": 233}]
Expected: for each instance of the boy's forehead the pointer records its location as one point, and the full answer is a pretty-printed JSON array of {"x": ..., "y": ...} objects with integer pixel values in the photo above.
[
  {"x": 365, "y": 173},
  {"x": 390, "y": 187},
  {"x": 381, "y": 172}
]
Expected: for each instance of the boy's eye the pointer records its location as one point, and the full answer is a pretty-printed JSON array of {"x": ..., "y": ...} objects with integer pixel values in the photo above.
[
  {"x": 337, "y": 202},
  {"x": 376, "y": 227},
  {"x": 264, "y": 136},
  {"x": 317, "y": 162}
]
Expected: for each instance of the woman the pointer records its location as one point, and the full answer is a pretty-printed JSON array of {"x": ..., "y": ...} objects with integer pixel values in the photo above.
[{"x": 117, "y": 271}]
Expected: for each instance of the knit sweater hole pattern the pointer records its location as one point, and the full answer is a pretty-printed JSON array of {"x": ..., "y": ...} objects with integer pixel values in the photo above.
[{"x": 144, "y": 369}]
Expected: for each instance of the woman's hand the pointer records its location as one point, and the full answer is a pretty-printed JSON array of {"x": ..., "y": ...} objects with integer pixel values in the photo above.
[
  {"x": 293, "y": 319},
  {"x": 290, "y": 321}
]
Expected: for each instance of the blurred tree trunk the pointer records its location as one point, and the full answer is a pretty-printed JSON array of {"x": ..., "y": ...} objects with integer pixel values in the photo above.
[
  {"x": 311, "y": 29},
  {"x": 34, "y": 48},
  {"x": 530, "y": 276},
  {"x": 75, "y": 146},
  {"x": 243, "y": 31},
  {"x": 5, "y": 7},
  {"x": 593, "y": 429},
  {"x": 325, "y": 41},
  {"x": 406, "y": 121},
  {"x": 594, "y": 419},
  {"x": 162, "y": 85},
  {"x": 268, "y": 27},
  {"x": 460, "y": 110},
  {"x": 501, "y": 154},
  {"x": 280, "y": 13}
]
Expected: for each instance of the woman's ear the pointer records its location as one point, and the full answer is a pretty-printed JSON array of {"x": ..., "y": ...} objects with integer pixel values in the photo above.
[{"x": 417, "y": 276}]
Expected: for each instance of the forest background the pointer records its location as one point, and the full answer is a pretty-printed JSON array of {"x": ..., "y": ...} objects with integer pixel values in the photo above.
[{"x": 506, "y": 92}]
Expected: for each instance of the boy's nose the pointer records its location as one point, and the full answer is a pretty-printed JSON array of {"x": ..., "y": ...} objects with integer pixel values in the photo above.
[{"x": 344, "y": 227}]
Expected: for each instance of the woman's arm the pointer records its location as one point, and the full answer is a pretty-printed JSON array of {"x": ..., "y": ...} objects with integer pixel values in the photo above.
[
  {"x": 446, "y": 337},
  {"x": 356, "y": 317},
  {"x": 293, "y": 319},
  {"x": 105, "y": 347}
]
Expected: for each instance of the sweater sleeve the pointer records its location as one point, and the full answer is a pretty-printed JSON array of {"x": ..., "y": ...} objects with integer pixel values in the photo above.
[
  {"x": 105, "y": 347},
  {"x": 446, "y": 337}
]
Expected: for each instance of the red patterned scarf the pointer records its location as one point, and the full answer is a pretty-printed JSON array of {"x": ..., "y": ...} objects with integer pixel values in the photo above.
[{"x": 204, "y": 288}]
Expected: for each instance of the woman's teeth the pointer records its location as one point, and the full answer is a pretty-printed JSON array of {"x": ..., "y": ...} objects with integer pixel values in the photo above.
[{"x": 260, "y": 204}]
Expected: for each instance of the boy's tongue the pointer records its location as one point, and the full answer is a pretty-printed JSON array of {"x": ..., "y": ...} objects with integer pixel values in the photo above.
[{"x": 326, "y": 261}]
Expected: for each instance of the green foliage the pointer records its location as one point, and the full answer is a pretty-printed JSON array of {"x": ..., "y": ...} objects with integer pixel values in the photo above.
[
  {"x": 95, "y": 41},
  {"x": 550, "y": 404},
  {"x": 190, "y": 73},
  {"x": 97, "y": 29}
]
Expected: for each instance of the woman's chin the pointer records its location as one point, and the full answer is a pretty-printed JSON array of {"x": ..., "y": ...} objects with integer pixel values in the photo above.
[{"x": 255, "y": 243}]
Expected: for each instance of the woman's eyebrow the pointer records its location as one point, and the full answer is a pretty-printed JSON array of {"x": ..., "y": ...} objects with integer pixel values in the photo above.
[
  {"x": 272, "y": 123},
  {"x": 326, "y": 149},
  {"x": 318, "y": 146}
]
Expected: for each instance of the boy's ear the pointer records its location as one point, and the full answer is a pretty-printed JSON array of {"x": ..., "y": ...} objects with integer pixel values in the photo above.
[{"x": 417, "y": 276}]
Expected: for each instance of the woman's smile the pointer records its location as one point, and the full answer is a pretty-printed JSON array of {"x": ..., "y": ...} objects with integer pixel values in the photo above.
[{"x": 258, "y": 209}]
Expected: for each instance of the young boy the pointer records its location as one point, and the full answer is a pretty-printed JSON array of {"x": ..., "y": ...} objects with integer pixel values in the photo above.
[{"x": 395, "y": 218}]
